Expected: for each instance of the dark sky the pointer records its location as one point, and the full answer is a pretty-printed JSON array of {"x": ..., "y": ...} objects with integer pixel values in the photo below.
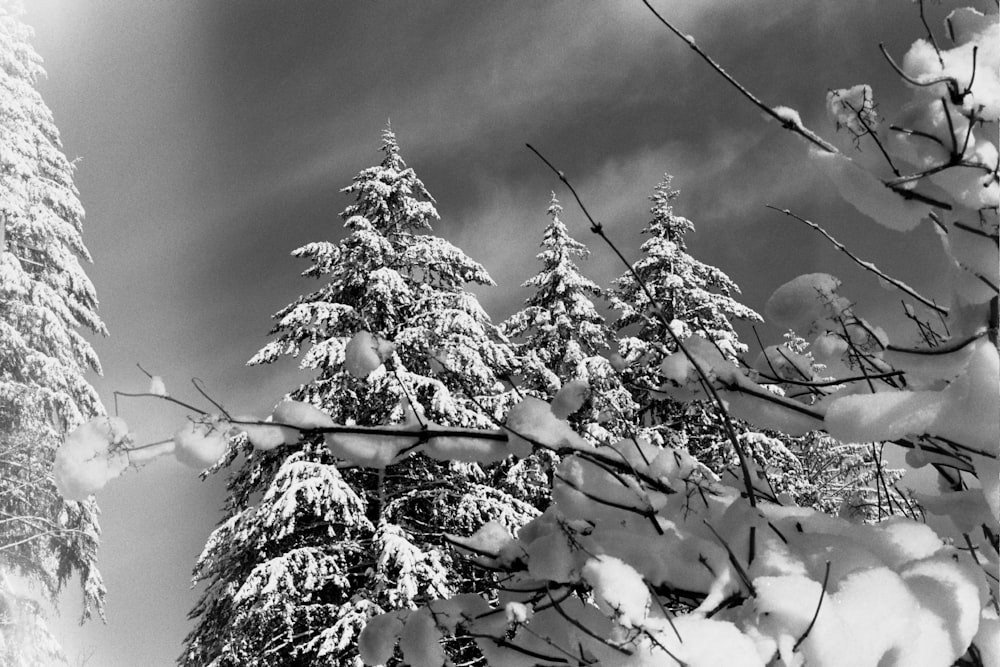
[{"x": 214, "y": 137}]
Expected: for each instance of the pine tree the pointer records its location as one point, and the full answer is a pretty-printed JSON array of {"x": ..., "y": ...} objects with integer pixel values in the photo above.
[
  {"x": 562, "y": 336},
  {"x": 311, "y": 548},
  {"x": 46, "y": 298},
  {"x": 695, "y": 298}
]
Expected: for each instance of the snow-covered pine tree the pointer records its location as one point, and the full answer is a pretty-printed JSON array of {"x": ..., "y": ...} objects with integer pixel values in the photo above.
[
  {"x": 561, "y": 337},
  {"x": 46, "y": 298},
  {"x": 695, "y": 297},
  {"x": 311, "y": 548}
]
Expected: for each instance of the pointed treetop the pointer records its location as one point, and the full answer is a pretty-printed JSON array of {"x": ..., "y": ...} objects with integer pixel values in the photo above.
[
  {"x": 664, "y": 222},
  {"x": 393, "y": 160},
  {"x": 696, "y": 294}
]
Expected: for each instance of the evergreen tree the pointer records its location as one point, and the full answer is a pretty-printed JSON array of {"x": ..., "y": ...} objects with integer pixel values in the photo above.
[
  {"x": 563, "y": 338},
  {"x": 311, "y": 548},
  {"x": 45, "y": 300},
  {"x": 695, "y": 298}
]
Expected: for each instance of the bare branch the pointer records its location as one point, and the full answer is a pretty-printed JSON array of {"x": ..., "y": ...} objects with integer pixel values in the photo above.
[
  {"x": 797, "y": 128},
  {"x": 868, "y": 266}
]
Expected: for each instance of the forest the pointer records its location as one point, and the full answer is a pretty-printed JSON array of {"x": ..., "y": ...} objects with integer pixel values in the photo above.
[{"x": 635, "y": 465}]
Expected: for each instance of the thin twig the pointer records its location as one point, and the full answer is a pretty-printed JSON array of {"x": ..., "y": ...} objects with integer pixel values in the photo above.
[
  {"x": 822, "y": 594},
  {"x": 868, "y": 266},
  {"x": 797, "y": 128}
]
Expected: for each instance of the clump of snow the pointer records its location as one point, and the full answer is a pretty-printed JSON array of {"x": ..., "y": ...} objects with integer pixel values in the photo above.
[
  {"x": 964, "y": 411},
  {"x": 377, "y": 641},
  {"x": 987, "y": 639},
  {"x": 868, "y": 194},
  {"x": 618, "y": 588},
  {"x": 982, "y": 35},
  {"x": 570, "y": 398},
  {"x": 807, "y": 304},
  {"x": 780, "y": 362},
  {"x": 517, "y": 612},
  {"x": 91, "y": 456},
  {"x": 202, "y": 443},
  {"x": 491, "y": 538},
  {"x": 263, "y": 437},
  {"x": 972, "y": 187},
  {"x": 156, "y": 386},
  {"x": 295, "y": 416},
  {"x": 532, "y": 422},
  {"x": 852, "y": 108},
  {"x": 470, "y": 449},
  {"x": 790, "y": 117},
  {"x": 365, "y": 352},
  {"x": 420, "y": 641},
  {"x": 371, "y": 449}
]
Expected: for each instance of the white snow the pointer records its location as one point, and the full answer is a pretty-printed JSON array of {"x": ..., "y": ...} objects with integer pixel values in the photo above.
[
  {"x": 868, "y": 194},
  {"x": 807, "y": 304},
  {"x": 364, "y": 353},
  {"x": 788, "y": 116},
  {"x": 296, "y": 416},
  {"x": 570, "y": 398},
  {"x": 201, "y": 444},
  {"x": 91, "y": 456},
  {"x": 618, "y": 588},
  {"x": 156, "y": 386},
  {"x": 262, "y": 436}
]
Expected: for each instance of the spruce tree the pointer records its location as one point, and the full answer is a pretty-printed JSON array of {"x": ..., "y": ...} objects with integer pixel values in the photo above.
[
  {"x": 311, "y": 548},
  {"x": 695, "y": 298},
  {"x": 46, "y": 299},
  {"x": 562, "y": 337}
]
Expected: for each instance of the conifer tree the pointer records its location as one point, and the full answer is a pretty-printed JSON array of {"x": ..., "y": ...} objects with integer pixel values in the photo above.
[
  {"x": 311, "y": 548},
  {"x": 46, "y": 298},
  {"x": 695, "y": 298},
  {"x": 562, "y": 337}
]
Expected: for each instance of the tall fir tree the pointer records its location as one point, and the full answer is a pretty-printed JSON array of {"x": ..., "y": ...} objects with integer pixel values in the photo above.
[
  {"x": 311, "y": 548},
  {"x": 696, "y": 299},
  {"x": 562, "y": 337},
  {"x": 46, "y": 299}
]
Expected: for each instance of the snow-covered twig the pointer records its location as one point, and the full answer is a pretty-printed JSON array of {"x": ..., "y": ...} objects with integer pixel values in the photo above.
[{"x": 797, "y": 128}]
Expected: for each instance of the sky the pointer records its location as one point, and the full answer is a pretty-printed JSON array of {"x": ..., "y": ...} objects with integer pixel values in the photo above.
[{"x": 213, "y": 138}]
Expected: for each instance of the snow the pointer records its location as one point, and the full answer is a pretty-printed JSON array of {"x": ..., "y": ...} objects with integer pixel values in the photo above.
[
  {"x": 294, "y": 417},
  {"x": 261, "y": 436},
  {"x": 868, "y": 194},
  {"x": 420, "y": 641},
  {"x": 532, "y": 423},
  {"x": 202, "y": 443},
  {"x": 972, "y": 187},
  {"x": 618, "y": 589},
  {"x": 964, "y": 411},
  {"x": 91, "y": 456},
  {"x": 921, "y": 63},
  {"x": 377, "y": 641},
  {"x": 850, "y": 106},
  {"x": 467, "y": 449},
  {"x": 570, "y": 398},
  {"x": 373, "y": 450},
  {"x": 364, "y": 353},
  {"x": 517, "y": 612},
  {"x": 987, "y": 639},
  {"x": 156, "y": 386},
  {"x": 788, "y": 116},
  {"x": 807, "y": 304}
]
